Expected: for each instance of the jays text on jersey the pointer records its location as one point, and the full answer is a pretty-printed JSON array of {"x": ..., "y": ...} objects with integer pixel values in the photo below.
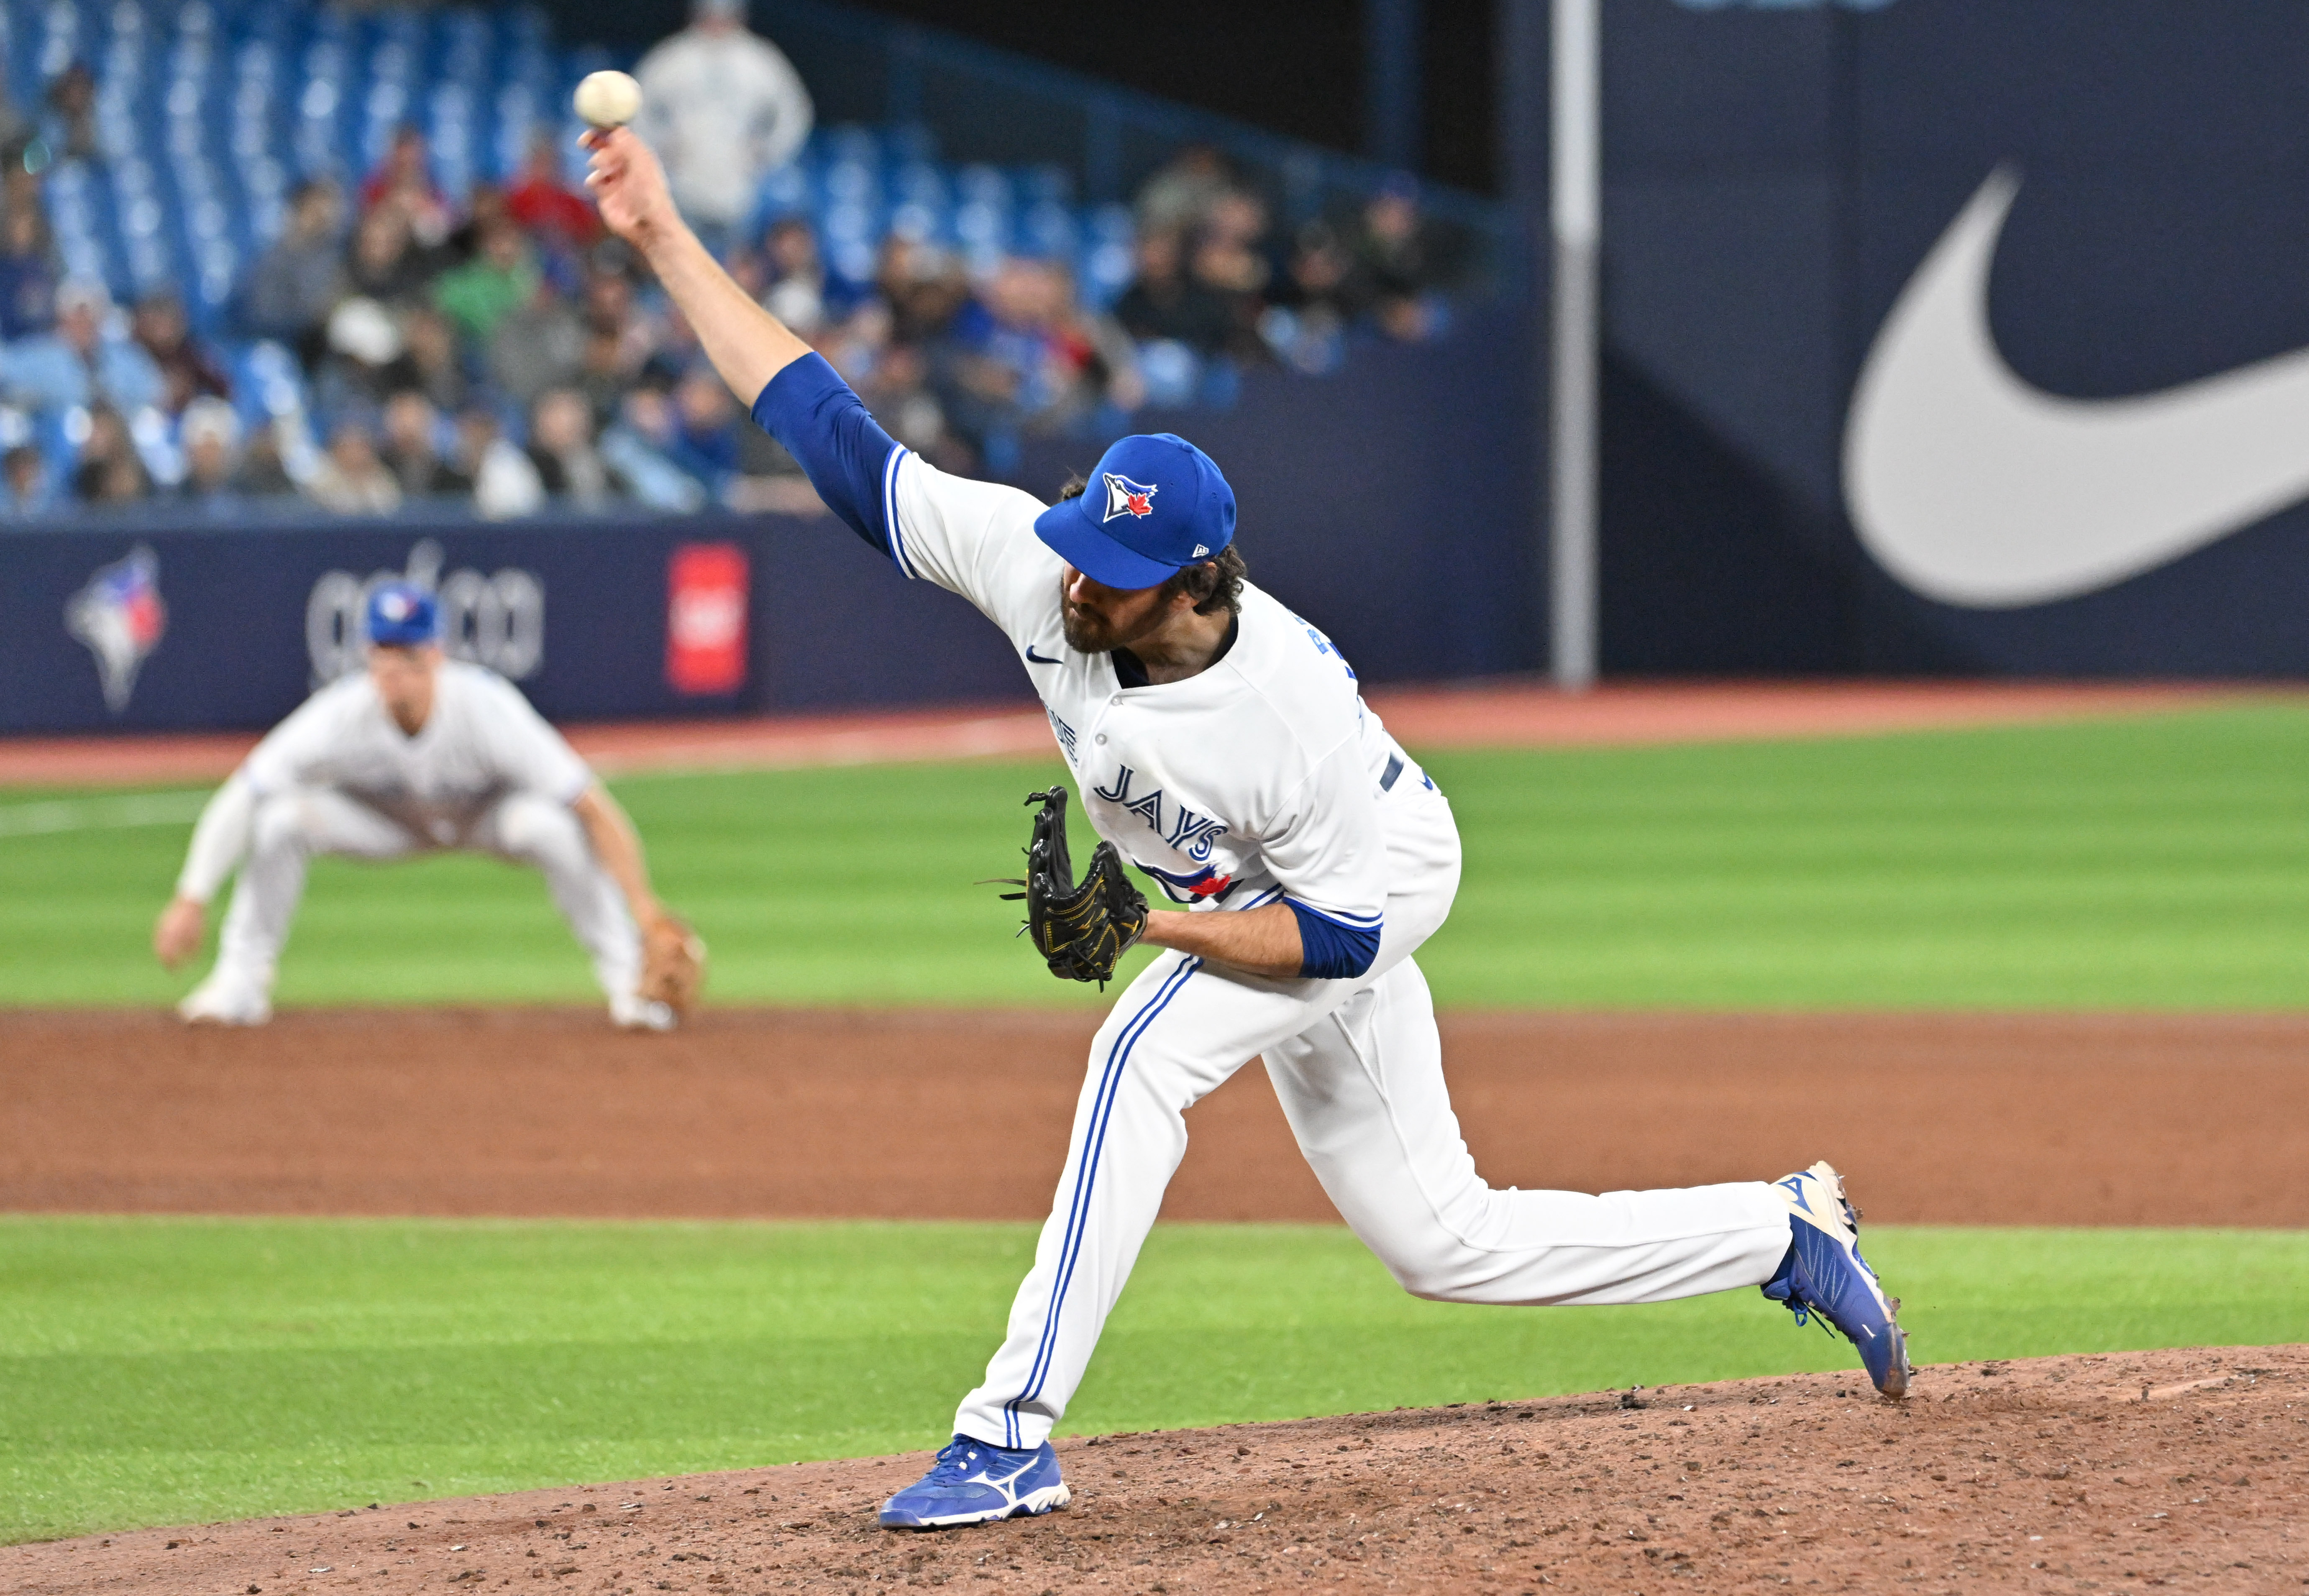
[{"x": 1262, "y": 777}]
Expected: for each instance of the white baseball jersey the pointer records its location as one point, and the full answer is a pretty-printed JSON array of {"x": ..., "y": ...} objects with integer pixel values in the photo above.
[
  {"x": 482, "y": 742},
  {"x": 1263, "y": 776}
]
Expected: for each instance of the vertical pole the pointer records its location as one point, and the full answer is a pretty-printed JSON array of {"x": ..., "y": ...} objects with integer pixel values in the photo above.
[
  {"x": 1576, "y": 211},
  {"x": 1392, "y": 70},
  {"x": 1101, "y": 150},
  {"x": 901, "y": 59}
]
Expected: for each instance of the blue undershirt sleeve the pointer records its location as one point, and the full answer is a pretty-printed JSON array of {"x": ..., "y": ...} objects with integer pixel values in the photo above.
[
  {"x": 1332, "y": 950},
  {"x": 843, "y": 450}
]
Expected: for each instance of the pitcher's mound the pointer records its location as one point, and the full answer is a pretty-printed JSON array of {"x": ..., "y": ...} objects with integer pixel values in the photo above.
[{"x": 2107, "y": 1472}]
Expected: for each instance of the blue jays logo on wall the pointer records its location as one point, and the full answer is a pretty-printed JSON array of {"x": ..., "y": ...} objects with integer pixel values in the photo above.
[
  {"x": 1125, "y": 497},
  {"x": 121, "y": 618}
]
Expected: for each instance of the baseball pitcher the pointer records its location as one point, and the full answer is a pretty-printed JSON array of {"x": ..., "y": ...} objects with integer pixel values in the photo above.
[
  {"x": 1220, "y": 743},
  {"x": 417, "y": 753}
]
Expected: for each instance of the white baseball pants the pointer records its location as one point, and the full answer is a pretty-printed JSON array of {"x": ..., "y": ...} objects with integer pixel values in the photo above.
[
  {"x": 1359, "y": 1068},
  {"x": 289, "y": 829}
]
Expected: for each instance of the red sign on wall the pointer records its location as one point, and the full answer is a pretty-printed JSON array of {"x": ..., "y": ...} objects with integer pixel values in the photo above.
[{"x": 708, "y": 591}]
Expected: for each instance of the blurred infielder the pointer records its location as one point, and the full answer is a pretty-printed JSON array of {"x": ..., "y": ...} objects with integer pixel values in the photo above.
[
  {"x": 1221, "y": 743},
  {"x": 418, "y": 753}
]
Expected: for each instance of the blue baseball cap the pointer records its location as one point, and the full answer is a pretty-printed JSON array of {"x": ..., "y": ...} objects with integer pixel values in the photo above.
[
  {"x": 402, "y": 616},
  {"x": 1155, "y": 504}
]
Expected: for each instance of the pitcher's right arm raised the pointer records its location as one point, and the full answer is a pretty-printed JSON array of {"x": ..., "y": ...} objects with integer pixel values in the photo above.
[
  {"x": 748, "y": 345},
  {"x": 976, "y": 539}
]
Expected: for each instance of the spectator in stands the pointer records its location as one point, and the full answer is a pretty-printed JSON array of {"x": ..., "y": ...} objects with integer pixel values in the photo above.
[
  {"x": 83, "y": 361},
  {"x": 1162, "y": 303},
  {"x": 604, "y": 374},
  {"x": 856, "y": 344},
  {"x": 1393, "y": 258},
  {"x": 1178, "y": 198},
  {"x": 72, "y": 131},
  {"x": 1020, "y": 359},
  {"x": 433, "y": 364},
  {"x": 504, "y": 481},
  {"x": 704, "y": 441},
  {"x": 211, "y": 434},
  {"x": 897, "y": 391},
  {"x": 794, "y": 287},
  {"x": 351, "y": 479},
  {"x": 1320, "y": 280},
  {"x": 540, "y": 346},
  {"x": 384, "y": 262},
  {"x": 15, "y": 129},
  {"x": 109, "y": 471},
  {"x": 412, "y": 449},
  {"x": 634, "y": 446},
  {"x": 187, "y": 370},
  {"x": 543, "y": 206},
  {"x": 404, "y": 181},
  {"x": 723, "y": 108},
  {"x": 923, "y": 288},
  {"x": 672, "y": 345},
  {"x": 365, "y": 357},
  {"x": 480, "y": 294},
  {"x": 611, "y": 307},
  {"x": 300, "y": 279},
  {"x": 31, "y": 487},
  {"x": 561, "y": 448},
  {"x": 264, "y": 473},
  {"x": 27, "y": 278},
  {"x": 1227, "y": 262}
]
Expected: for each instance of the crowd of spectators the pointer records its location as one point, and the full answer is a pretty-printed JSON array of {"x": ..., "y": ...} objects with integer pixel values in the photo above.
[{"x": 496, "y": 347}]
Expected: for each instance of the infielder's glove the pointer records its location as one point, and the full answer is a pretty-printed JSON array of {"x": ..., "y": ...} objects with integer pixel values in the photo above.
[
  {"x": 1081, "y": 927},
  {"x": 673, "y": 962}
]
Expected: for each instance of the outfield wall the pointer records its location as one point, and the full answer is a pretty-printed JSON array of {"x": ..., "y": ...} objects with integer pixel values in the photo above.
[
  {"x": 1359, "y": 508},
  {"x": 2099, "y": 465}
]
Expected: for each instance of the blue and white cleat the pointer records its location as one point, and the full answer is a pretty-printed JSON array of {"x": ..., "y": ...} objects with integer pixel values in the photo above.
[
  {"x": 1825, "y": 1275},
  {"x": 973, "y": 1483}
]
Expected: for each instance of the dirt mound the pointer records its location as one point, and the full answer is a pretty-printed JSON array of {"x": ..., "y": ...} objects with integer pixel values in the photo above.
[
  {"x": 2034, "y": 1119},
  {"x": 2061, "y": 1473}
]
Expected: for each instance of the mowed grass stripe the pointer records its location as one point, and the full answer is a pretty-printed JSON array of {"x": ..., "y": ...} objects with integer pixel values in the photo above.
[
  {"x": 167, "y": 1370},
  {"x": 2160, "y": 862}
]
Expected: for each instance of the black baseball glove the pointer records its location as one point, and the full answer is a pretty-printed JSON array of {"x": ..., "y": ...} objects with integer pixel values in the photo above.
[{"x": 1081, "y": 927}]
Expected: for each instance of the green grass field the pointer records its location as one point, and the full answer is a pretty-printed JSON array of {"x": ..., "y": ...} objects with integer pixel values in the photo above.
[
  {"x": 2156, "y": 862},
  {"x": 163, "y": 1371}
]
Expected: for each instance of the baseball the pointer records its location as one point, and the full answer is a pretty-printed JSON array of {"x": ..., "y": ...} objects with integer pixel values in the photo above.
[{"x": 608, "y": 99}]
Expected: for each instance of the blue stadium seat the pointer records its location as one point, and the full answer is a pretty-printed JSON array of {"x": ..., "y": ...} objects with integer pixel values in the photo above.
[{"x": 212, "y": 110}]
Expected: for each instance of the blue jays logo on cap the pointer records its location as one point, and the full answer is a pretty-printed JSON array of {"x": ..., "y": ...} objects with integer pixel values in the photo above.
[
  {"x": 401, "y": 615},
  {"x": 1125, "y": 497},
  {"x": 1164, "y": 505}
]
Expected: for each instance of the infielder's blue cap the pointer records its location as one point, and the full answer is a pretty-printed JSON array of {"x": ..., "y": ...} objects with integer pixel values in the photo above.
[
  {"x": 1156, "y": 503},
  {"x": 402, "y": 616}
]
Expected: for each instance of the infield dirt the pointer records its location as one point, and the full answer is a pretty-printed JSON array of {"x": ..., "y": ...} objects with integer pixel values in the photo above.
[
  {"x": 2063, "y": 1474},
  {"x": 1953, "y": 1119}
]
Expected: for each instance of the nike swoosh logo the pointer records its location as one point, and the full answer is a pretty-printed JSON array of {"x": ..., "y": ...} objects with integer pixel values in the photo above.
[
  {"x": 1975, "y": 488},
  {"x": 1034, "y": 659}
]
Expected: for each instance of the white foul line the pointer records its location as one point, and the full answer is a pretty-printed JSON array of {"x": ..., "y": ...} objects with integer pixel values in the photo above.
[{"x": 100, "y": 814}]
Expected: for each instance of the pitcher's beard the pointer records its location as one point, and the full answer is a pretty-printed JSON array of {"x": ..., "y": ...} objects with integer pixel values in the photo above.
[{"x": 1085, "y": 633}]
